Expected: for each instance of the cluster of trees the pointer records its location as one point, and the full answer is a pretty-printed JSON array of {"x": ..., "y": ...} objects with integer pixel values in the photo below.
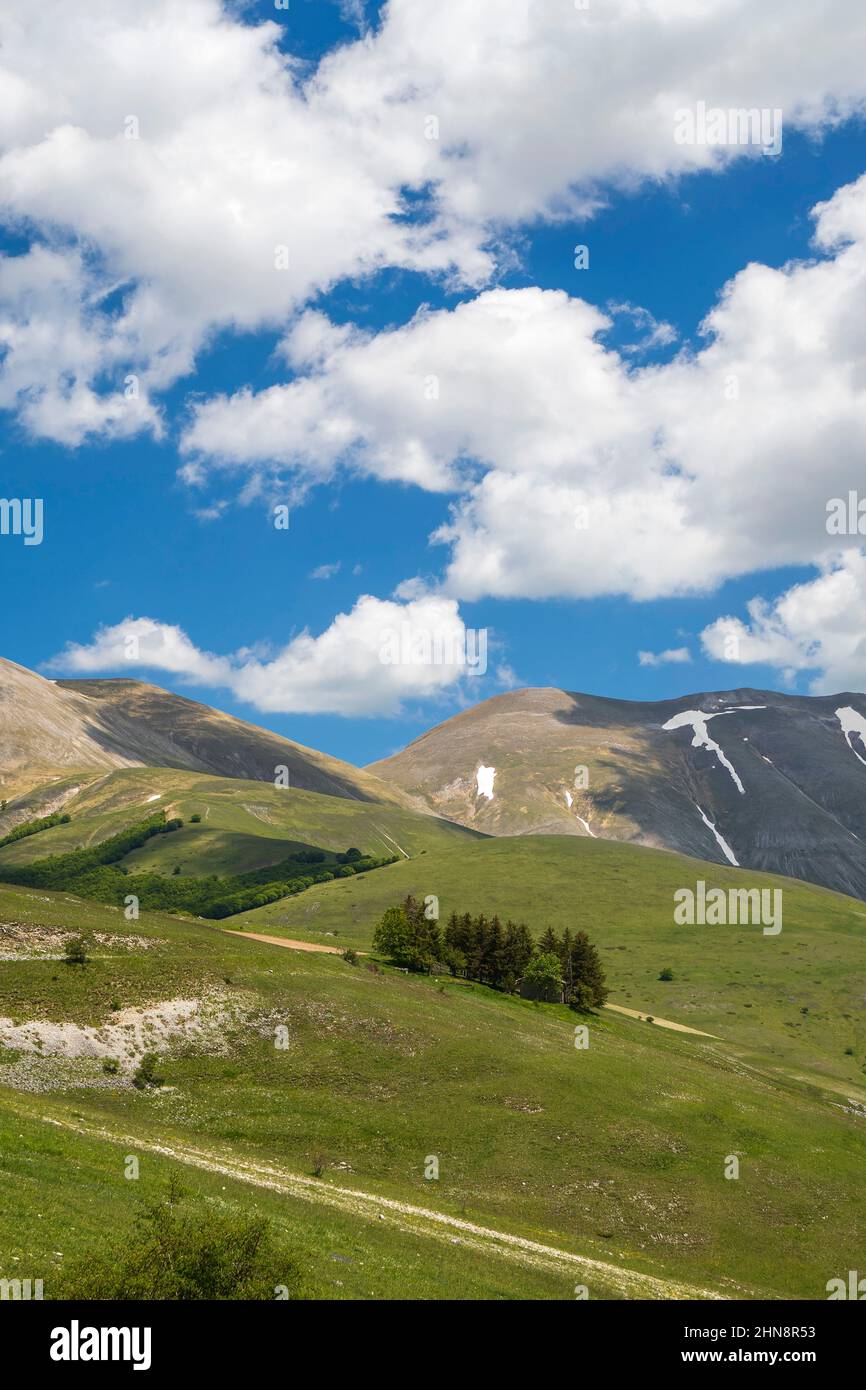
[
  {"x": 567, "y": 969},
  {"x": 96, "y": 873},
  {"x": 563, "y": 969},
  {"x": 32, "y": 827},
  {"x": 59, "y": 870}
]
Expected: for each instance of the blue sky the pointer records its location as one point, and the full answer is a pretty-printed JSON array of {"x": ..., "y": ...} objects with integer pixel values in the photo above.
[{"x": 124, "y": 533}]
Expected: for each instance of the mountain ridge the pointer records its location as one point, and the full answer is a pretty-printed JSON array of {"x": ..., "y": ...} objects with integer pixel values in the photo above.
[
  {"x": 761, "y": 779},
  {"x": 68, "y": 731}
]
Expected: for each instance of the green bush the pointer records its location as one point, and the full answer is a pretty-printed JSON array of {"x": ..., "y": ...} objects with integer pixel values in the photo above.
[
  {"x": 145, "y": 1073},
  {"x": 76, "y": 951},
  {"x": 180, "y": 1250}
]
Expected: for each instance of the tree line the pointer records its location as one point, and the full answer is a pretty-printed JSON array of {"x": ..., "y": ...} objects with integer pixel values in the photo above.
[
  {"x": 32, "y": 827},
  {"x": 96, "y": 873},
  {"x": 564, "y": 969}
]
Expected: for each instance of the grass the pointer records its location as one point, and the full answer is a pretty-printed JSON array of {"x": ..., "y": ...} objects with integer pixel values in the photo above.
[
  {"x": 60, "y": 1192},
  {"x": 244, "y": 826},
  {"x": 794, "y": 1000},
  {"x": 615, "y": 1152}
]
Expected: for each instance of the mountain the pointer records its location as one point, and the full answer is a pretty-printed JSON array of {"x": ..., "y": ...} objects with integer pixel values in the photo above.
[
  {"x": 55, "y": 736},
  {"x": 748, "y": 777}
]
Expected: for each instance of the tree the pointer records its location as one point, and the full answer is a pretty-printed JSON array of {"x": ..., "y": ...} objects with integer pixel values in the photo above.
[
  {"x": 391, "y": 936},
  {"x": 517, "y": 952},
  {"x": 549, "y": 944},
  {"x": 542, "y": 978},
  {"x": 588, "y": 990},
  {"x": 408, "y": 938}
]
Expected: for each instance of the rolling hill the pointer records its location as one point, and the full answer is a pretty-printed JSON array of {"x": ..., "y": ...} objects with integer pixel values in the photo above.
[
  {"x": 57, "y": 736},
  {"x": 557, "y": 1167},
  {"x": 765, "y": 781}
]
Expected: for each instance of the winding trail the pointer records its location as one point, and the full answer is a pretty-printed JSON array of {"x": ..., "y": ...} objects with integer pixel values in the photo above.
[{"x": 405, "y": 1215}]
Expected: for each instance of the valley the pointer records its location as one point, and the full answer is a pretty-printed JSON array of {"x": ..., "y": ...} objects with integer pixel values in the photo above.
[{"x": 314, "y": 1086}]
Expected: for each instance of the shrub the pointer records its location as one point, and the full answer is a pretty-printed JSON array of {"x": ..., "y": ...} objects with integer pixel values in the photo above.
[
  {"x": 666, "y": 974},
  {"x": 350, "y": 956},
  {"x": 179, "y": 1250},
  {"x": 76, "y": 951},
  {"x": 145, "y": 1073},
  {"x": 195, "y": 820}
]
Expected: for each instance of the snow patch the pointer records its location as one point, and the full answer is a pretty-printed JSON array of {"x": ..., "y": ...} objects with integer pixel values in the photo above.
[
  {"x": 157, "y": 796},
  {"x": 852, "y": 723},
  {"x": 585, "y": 824},
  {"x": 698, "y": 720},
  {"x": 484, "y": 778},
  {"x": 569, "y": 801},
  {"x": 723, "y": 844}
]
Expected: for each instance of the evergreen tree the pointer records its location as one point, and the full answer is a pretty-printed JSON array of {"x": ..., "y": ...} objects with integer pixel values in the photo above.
[
  {"x": 589, "y": 990},
  {"x": 548, "y": 944}
]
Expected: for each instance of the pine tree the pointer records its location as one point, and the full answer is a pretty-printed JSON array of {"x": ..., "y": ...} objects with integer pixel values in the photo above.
[
  {"x": 549, "y": 943},
  {"x": 588, "y": 989}
]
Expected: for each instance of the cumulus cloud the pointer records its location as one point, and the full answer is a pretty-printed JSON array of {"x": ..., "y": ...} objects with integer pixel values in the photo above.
[
  {"x": 672, "y": 655},
  {"x": 816, "y": 626},
  {"x": 367, "y": 662},
  {"x": 577, "y": 474},
  {"x": 217, "y": 182}
]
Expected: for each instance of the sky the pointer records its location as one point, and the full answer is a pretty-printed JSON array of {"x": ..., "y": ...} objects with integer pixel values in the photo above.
[{"x": 362, "y": 362}]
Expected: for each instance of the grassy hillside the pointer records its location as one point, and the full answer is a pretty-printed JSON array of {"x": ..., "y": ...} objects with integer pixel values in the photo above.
[
  {"x": 244, "y": 825},
  {"x": 794, "y": 999},
  {"x": 614, "y": 1153}
]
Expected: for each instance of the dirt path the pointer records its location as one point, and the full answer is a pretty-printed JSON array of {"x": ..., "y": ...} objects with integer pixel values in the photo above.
[
  {"x": 661, "y": 1022},
  {"x": 408, "y": 1217},
  {"x": 288, "y": 943},
  {"x": 338, "y": 951}
]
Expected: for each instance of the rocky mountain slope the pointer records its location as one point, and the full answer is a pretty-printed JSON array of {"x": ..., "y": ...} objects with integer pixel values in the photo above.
[
  {"x": 56, "y": 735},
  {"x": 748, "y": 777}
]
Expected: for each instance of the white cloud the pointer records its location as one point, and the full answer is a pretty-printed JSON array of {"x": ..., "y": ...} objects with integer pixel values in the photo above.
[
  {"x": 817, "y": 626},
  {"x": 367, "y": 662},
  {"x": 325, "y": 571},
  {"x": 578, "y": 475},
  {"x": 56, "y": 342},
  {"x": 672, "y": 655},
  {"x": 242, "y": 150},
  {"x": 142, "y": 643}
]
